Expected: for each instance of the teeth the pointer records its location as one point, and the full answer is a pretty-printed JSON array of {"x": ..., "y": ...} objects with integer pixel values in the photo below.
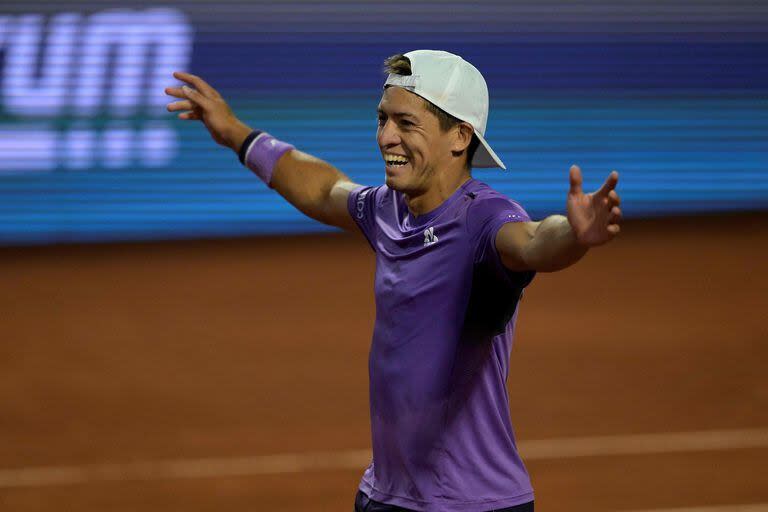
[{"x": 395, "y": 159}]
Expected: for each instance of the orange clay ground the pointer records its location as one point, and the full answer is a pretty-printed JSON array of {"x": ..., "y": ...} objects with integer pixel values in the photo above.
[{"x": 128, "y": 354}]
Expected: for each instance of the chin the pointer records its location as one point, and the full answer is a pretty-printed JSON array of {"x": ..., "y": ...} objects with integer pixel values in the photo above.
[
  {"x": 396, "y": 183},
  {"x": 404, "y": 182},
  {"x": 391, "y": 182}
]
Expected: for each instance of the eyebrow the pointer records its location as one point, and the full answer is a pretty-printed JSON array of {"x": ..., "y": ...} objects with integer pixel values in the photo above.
[{"x": 397, "y": 114}]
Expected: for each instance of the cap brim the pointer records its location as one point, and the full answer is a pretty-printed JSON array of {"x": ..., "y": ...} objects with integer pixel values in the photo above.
[{"x": 485, "y": 156}]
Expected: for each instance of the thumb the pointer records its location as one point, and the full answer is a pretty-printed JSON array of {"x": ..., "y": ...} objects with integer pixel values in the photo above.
[{"x": 575, "y": 177}]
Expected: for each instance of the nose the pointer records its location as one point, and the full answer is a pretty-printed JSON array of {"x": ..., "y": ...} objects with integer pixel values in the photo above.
[{"x": 387, "y": 134}]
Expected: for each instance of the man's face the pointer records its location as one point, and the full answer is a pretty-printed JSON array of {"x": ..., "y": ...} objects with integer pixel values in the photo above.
[{"x": 411, "y": 141}]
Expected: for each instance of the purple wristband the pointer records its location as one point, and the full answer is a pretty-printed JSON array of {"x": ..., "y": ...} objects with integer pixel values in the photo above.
[{"x": 262, "y": 155}]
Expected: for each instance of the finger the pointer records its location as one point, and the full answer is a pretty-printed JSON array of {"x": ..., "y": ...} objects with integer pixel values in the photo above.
[
  {"x": 190, "y": 116},
  {"x": 614, "y": 197},
  {"x": 610, "y": 184},
  {"x": 615, "y": 215},
  {"x": 575, "y": 177},
  {"x": 179, "y": 105},
  {"x": 176, "y": 92},
  {"x": 613, "y": 229},
  {"x": 195, "y": 97},
  {"x": 199, "y": 84}
]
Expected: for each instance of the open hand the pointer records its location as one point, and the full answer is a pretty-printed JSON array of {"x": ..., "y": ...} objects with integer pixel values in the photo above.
[
  {"x": 205, "y": 104},
  {"x": 594, "y": 217}
]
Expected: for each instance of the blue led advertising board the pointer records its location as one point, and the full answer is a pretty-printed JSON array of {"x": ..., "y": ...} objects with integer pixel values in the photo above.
[{"x": 671, "y": 94}]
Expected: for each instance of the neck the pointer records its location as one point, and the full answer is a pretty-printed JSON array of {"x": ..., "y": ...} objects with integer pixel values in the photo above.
[{"x": 438, "y": 192}]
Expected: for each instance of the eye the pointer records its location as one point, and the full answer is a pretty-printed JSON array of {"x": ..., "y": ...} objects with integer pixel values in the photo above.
[
  {"x": 405, "y": 122},
  {"x": 382, "y": 119}
]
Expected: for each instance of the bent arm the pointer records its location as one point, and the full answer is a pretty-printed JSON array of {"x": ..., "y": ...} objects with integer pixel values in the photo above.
[
  {"x": 558, "y": 242},
  {"x": 545, "y": 246},
  {"x": 313, "y": 186}
]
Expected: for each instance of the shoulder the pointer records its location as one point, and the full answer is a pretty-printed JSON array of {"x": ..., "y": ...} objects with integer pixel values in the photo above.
[
  {"x": 368, "y": 192},
  {"x": 364, "y": 199},
  {"x": 490, "y": 206}
]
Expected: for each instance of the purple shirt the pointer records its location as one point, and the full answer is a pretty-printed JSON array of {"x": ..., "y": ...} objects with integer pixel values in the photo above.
[{"x": 439, "y": 360}]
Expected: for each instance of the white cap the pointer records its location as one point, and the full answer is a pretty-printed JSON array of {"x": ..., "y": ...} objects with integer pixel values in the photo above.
[{"x": 457, "y": 87}]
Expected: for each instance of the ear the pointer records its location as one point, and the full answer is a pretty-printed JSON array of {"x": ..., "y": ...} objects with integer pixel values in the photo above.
[{"x": 462, "y": 137}]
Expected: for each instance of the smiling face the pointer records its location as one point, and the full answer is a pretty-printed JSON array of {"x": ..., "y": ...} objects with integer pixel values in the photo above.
[{"x": 412, "y": 143}]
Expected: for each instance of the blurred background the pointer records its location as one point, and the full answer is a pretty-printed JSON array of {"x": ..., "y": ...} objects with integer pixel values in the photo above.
[{"x": 173, "y": 335}]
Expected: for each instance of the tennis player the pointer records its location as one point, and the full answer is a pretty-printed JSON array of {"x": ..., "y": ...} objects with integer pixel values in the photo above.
[{"x": 452, "y": 259}]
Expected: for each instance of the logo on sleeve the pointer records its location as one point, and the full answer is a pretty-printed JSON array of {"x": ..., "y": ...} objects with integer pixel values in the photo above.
[
  {"x": 361, "y": 203},
  {"x": 430, "y": 237}
]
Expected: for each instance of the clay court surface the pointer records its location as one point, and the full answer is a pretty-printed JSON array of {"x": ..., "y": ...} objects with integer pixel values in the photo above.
[{"x": 232, "y": 375}]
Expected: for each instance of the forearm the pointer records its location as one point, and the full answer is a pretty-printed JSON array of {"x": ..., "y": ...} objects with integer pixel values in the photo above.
[{"x": 553, "y": 246}]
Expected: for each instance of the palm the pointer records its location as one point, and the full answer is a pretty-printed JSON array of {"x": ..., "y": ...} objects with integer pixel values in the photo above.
[{"x": 594, "y": 217}]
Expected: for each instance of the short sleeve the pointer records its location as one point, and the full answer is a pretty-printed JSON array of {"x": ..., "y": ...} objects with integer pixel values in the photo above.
[
  {"x": 485, "y": 218},
  {"x": 361, "y": 204}
]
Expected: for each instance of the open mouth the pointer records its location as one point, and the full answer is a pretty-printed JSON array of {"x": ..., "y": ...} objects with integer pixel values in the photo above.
[{"x": 395, "y": 160}]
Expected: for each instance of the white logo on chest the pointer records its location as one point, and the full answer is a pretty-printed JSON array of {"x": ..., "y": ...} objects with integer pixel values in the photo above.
[{"x": 429, "y": 237}]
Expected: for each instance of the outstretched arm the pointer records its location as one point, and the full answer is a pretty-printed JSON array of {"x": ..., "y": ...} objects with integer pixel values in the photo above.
[
  {"x": 558, "y": 242},
  {"x": 313, "y": 186}
]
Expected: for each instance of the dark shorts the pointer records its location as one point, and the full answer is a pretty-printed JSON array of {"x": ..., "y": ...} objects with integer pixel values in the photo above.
[{"x": 364, "y": 504}]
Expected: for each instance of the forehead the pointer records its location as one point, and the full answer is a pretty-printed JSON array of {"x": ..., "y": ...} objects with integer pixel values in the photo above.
[{"x": 397, "y": 99}]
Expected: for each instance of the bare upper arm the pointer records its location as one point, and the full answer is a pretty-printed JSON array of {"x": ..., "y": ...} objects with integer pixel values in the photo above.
[
  {"x": 337, "y": 211},
  {"x": 315, "y": 187},
  {"x": 511, "y": 240}
]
